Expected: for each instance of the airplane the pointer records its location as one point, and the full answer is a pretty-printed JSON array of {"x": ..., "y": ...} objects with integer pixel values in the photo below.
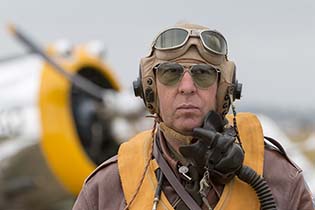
[{"x": 56, "y": 127}]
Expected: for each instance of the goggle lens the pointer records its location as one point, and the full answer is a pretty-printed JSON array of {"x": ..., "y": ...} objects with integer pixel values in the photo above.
[
  {"x": 214, "y": 41},
  {"x": 203, "y": 75},
  {"x": 171, "y": 38}
]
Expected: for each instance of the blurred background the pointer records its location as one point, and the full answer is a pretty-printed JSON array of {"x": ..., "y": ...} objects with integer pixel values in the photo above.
[{"x": 271, "y": 42}]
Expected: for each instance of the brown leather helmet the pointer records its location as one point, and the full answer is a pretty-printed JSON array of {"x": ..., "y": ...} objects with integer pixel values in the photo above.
[{"x": 188, "y": 41}]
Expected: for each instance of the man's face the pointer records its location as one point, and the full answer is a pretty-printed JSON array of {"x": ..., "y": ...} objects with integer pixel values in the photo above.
[{"x": 183, "y": 106}]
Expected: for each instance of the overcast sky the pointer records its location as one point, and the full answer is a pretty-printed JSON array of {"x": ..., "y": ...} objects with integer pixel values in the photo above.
[{"x": 272, "y": 42}]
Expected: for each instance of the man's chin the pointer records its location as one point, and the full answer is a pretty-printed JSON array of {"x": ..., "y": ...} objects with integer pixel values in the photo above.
[{"x": 187, "y": 128}]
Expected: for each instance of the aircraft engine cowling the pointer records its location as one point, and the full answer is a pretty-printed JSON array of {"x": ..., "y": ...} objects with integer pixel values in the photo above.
[{"x": 51, "y": 135}]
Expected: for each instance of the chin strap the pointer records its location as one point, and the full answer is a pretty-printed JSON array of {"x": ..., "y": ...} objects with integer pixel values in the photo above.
[{"x": 170, "y": 133}]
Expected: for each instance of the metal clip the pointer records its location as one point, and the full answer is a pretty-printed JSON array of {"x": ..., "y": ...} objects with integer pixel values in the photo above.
[
  {"x": 204, "y": 186},
  {"x": 183, "y": 170}
]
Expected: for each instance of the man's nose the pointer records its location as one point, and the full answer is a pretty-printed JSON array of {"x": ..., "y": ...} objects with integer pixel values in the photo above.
[{"x": 187, "y": 85}]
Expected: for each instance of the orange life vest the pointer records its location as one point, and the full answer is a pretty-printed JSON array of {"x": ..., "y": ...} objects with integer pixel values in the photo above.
[{"x": 134, "y": 154}]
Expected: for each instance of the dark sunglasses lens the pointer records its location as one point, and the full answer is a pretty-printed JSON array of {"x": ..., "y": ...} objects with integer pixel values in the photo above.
[
  {"x": 169, "y": 73},
  {"x": 214, "y": 42},
  {"x": 171, "y": 38},
  {"x": 204, "y": 75}
]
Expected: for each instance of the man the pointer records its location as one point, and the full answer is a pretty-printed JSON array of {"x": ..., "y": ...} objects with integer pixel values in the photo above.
[{"x": 194, "y": 158}]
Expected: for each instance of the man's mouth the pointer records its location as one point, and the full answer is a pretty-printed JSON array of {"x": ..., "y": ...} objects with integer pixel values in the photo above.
[{"x": 187, "y": 107}]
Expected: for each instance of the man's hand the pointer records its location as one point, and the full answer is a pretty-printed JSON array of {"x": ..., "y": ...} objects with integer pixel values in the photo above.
[{"x": 213, "y": 151}]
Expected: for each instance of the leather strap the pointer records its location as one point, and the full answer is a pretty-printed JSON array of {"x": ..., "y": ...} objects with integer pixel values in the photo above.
[{"x": 170, "y": 176}]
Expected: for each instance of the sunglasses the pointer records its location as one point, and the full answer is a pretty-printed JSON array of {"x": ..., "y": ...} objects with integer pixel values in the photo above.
[
  {"x": 170, "y": 74},
  {"x": 174, "y": 38}
]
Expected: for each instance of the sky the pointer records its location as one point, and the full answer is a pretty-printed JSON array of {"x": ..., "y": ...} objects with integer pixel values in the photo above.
[{"x": 271, "y": 42}]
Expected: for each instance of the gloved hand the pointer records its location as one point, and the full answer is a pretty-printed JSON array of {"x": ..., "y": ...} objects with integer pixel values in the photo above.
[{"x": 215, "y": 152}]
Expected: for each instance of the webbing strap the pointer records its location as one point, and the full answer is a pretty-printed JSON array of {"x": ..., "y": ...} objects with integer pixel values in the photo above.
[{"x": 170, "y": 176}]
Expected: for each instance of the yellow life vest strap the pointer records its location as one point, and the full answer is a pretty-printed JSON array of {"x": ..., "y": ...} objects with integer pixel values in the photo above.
[{"x": 132, "y": 158}]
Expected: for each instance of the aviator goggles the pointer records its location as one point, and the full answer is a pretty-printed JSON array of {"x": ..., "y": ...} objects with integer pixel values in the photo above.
[
  {"x": 170, "y": 74},
  {"x": 174, "y": 38}
]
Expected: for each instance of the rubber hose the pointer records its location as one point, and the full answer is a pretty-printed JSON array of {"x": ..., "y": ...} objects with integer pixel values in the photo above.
[{"x": 260, "y": 186}]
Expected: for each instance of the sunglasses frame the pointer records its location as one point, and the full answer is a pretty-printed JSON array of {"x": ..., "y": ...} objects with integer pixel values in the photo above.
[{"x": 189, "y": 67}]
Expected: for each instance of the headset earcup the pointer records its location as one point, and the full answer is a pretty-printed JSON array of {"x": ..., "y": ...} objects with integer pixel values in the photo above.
[
  {"x": 137, "y": 88},
  {"x": 147, "y": 94},
  {"x": 237, "y": 92},
  {"x": 237, "y": 87}
]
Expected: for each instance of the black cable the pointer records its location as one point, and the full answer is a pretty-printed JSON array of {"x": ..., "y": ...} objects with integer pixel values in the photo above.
[
  {"x": 260, "y": 186},
  {"x": 158, "y": 190}
]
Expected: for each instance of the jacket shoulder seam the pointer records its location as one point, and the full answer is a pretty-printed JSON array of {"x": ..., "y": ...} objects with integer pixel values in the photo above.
[{"x": 103, "y": 165}]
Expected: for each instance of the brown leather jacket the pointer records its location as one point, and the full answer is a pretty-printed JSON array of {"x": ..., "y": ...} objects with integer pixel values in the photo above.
[{"x": 102, "y": 189}]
